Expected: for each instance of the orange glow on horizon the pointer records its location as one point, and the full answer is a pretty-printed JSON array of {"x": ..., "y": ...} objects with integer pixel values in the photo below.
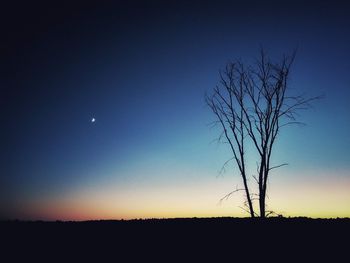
[{"x": 310, "y": 196}]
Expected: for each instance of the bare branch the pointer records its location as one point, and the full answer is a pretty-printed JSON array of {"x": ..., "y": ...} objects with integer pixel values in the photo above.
[
  {"x": 229, "y": 194},
  {"x": 222, "y": 170},
  {"x": 278, "y": 166},
  {"x": 252, "y": 104}
]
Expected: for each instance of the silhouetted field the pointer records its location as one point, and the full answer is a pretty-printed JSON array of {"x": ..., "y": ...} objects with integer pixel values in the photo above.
[{"x": 178, "y": 238}]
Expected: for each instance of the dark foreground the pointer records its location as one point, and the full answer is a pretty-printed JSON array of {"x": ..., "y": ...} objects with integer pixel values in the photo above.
[{"x": 178, "y": 239}]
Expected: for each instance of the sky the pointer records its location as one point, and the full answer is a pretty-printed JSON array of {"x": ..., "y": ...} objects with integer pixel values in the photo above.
[{"x": 141, "y": 69}]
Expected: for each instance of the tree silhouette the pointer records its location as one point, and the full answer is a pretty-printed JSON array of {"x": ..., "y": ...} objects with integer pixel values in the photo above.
[{"x": 252, "y": 105}]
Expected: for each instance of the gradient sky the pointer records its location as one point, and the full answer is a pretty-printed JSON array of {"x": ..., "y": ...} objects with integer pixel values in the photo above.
[{"x": 141, "y": 69}]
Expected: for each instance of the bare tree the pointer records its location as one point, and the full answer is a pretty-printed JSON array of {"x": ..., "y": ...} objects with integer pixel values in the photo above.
[{"x": 252, "y": 105}]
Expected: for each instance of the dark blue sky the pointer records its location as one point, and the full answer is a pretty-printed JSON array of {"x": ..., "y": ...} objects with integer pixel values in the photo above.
[{"x": 142, "y": 69}]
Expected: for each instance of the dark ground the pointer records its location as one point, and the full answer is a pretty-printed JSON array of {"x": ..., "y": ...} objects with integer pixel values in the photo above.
[{"x": 211, "y": 239}]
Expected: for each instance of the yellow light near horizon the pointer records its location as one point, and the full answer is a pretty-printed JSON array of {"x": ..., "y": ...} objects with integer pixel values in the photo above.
[
  {"x": 314, "y": 196},
  {"x": 321, "y": 196}
]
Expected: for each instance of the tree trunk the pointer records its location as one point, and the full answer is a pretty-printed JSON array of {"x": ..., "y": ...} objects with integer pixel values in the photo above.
[
  {"x": 251, "y": 210},
  {"x": 250, "y": 204},
  {"x": 262, "y": 204},
  {"x": 262, "y": 195},
  {"x": 261, "y": 187}
]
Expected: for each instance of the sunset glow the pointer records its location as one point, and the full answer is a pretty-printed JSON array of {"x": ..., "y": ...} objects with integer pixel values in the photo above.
[
  {"x": 103, "y": 112},
  {"x": 301, "y": 196}
]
